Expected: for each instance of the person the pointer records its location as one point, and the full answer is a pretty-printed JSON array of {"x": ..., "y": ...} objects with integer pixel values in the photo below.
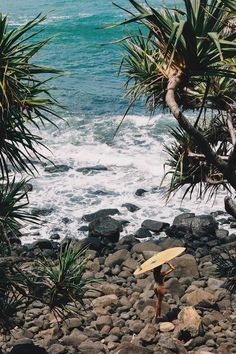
[{"x": 159, "y": 288}]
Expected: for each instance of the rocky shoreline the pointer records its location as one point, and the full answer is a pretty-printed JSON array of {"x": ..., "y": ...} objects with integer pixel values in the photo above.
[{"x": 199, "y": 316}]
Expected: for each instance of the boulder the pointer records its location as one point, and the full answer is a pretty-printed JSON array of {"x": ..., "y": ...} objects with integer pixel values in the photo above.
[
  {"x": 140, "y": 192},
  {"x": 105, "y": 227},
  {"x": 91, "y": 347},
  {"x": 105, "y": 300},
  {"x": 117, "y": 258},
  {"x": 57, "y": 168},
  {"x": 130, "y": 348},
  {"x": 185, "y": 266},
  {"x": 189, "y": 324},
  {"x": 201, "y": 298},
  {"x": 75, "y": 338},
  {"x": 43, "y": 244},
  {"x": 41, "y": 211},
  {"x": 100, "y": 214},
  {"x": 145, "y": 246},
  {"x": 148, "y": 333},
  {"x": 142, "y": 232},
  {"x": 57, "y": 349},
  {"x": 155, "y": 226},
  {"x": 130, "y": 207},
  {"x": 189, "y": 226},
  {"x": 88, "y": 169}
]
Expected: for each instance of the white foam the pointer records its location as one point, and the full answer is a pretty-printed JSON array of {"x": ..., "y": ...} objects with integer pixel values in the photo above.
[{"x": 134, "y": 160}]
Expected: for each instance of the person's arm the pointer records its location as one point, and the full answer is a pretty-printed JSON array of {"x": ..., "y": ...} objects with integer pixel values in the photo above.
[{"x": 171, "y": 268}]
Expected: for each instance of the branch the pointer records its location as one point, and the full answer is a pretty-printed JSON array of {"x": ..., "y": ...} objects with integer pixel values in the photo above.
[{"x": 201, "y": 141}]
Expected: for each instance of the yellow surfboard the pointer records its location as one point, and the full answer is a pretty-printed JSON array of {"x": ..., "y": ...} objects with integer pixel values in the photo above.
[{"x": 159, "y": 259}]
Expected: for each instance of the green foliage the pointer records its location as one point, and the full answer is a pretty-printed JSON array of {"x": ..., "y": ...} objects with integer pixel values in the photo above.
[
  {"x": 226, "y": 267},
  {"x": 24, "y": 96},
  {"x": 65, "y": 285}
]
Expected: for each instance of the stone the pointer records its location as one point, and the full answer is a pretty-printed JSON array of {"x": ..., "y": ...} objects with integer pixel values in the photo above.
[
  {"x": 189, "y": 323},
  {"x": 41, "y": 212},
  {"x": 142, "y": 232},
  {"x": 42, "y": 244},
  {"x": 105, "y": 300},
  {"x": 131, "y": 207},
  {"x": 130, "y": 348},
  {"x": 155, "y": 226},
  {"x": 148, "y": 333},
  {"x": 88, "y": 169},
  {"x": 72, "y": 323},
  {"x": 57, "y": 168},
  {"x": 91, "y": 347},
  {"x": 185, "y": 266},
  {"x": 140, "y": 192},
  {"x": 174, "y": 287},
  {"x": 117, "y": 258},
  {"x": 100, "y": 214},
  {"x": 75, "y": 338},
  {"x": 56, "y": 349},
  {"x": 201, "y": 298},
  {"x": 130, "y": 263},
  {"x": 215, "y": 284},
  {"x": 103, "y": 321},
  {"x": 105, "y": 227},
  {"x": 166, "y": 326},
  {"x": 145, "y": 246}
]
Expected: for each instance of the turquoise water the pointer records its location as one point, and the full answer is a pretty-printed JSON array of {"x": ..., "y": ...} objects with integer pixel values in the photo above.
[
  {"x": 91, "y": 85},
  {"x": 93, "y": 95}
]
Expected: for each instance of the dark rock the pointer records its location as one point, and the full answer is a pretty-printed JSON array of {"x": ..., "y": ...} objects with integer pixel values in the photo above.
[
  {"x": 233, "y": 225},
  {"x": 127, "y": 347},
  {"x": 140, "y": 192},
  {"x": 27, "y": 349},
  {"x": 128, "y": 240},
  {"x": 143, "y": 233},
  {"x": 57, "y": 168},
  {"x": 55, "y": 237},
  {"x": 105, "y": 227},
  {"x": 42, "y": 244},
  {"x": 88, "y": 169},
  {"x": 99, "y": 214},
  {"x": 188, "y": 226},
  {"x": 222, "y": 235},
  {"x": 131, "y": 207},
  {"x": 41, "y": 212},
  {"x": 155, "y": 226},
  {"x": 66, "y": 220},
  {"x": 94, "y": 243},
  {"x": 83, "y": 228}
]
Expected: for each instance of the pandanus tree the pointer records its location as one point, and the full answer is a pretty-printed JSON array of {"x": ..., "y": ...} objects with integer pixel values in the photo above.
[{"x": 181, "y": 60}]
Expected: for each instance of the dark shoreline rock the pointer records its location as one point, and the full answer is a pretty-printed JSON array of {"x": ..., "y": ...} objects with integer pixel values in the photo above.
[{"x": 99, "y": 214}]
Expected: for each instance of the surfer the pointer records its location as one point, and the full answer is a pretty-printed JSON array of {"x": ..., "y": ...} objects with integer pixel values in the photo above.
[{"x": 159, "y": 287}]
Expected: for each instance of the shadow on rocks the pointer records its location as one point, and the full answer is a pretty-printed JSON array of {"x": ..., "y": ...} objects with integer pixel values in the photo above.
[{"x": 27, "y": 349}]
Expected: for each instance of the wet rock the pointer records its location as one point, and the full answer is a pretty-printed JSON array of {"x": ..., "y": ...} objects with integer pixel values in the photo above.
[
  {"x": 127, "y": 347},
  {"x": 116, "y": 258},
  {"x": 96, "y": 168},
  {"x": 41, "y": 211},
  {"x": 140, "y": 192},
  {"x": 83, "y": 228},
  {"x": 43, "y": 244},
  {"x": 143, "y": 233},
  {"x": 105, "y": 227},
  {"x": 57, "y": 168},
  {"x": 100, "y": 214},
  {"x": 55, "y": 237},
  {"x": 155, "y": 226},
  {"x": 94, "y": 243},
  {"x": 131, "y": 207}
]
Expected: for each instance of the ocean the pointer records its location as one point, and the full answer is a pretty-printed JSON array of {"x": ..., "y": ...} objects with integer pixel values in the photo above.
[{"x": 93, "y": 95}]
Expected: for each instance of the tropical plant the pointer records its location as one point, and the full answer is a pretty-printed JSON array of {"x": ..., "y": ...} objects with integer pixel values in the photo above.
[
  {"x": 181, "y": 59},
  {"x": 65, "y": 285},
  {"x": 24, "y": 96},
  {"x": 226, "y": 267}
]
